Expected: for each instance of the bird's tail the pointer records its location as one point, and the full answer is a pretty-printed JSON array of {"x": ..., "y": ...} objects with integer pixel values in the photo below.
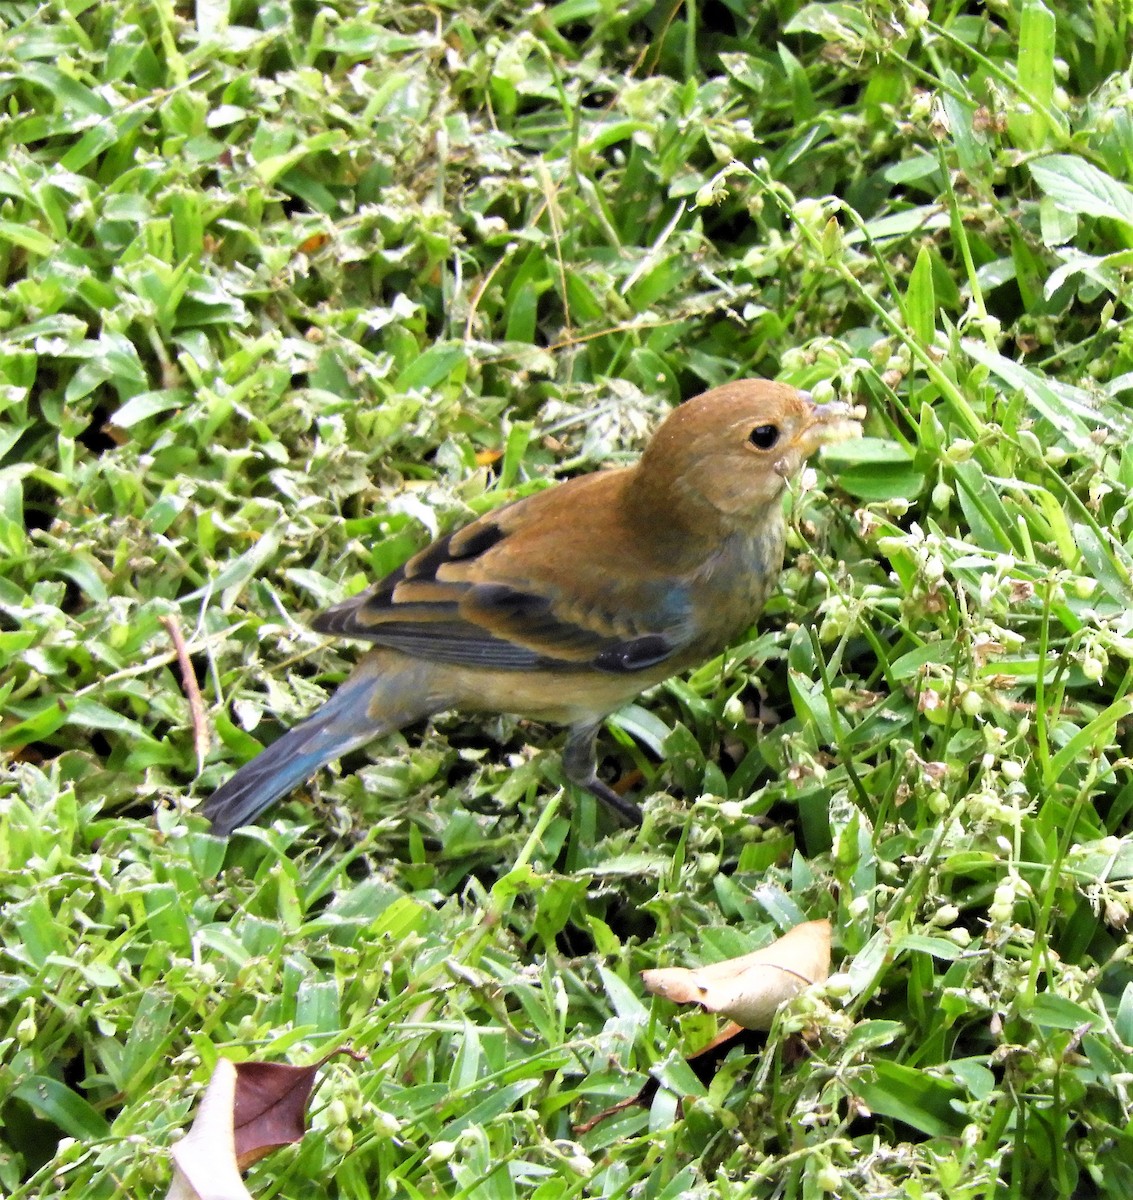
[{"x": 367, "y": 705}]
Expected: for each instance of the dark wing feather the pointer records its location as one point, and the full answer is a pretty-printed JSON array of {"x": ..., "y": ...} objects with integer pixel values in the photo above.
[
  {"x": 362, "y": 616},
  {"x": 434, "y": 608}
]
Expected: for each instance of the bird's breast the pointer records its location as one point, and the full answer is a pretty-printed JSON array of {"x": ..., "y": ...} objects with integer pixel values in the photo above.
[{"x": 735, "y": 582}]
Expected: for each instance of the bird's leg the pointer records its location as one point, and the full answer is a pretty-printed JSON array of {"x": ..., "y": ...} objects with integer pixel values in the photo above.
[{"x": 581, "y": 768}]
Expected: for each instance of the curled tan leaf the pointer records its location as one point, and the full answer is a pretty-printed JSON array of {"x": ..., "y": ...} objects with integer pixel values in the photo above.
[
  {"x": 750, "y": 989},
  {"x": 205, "y": 1158}
]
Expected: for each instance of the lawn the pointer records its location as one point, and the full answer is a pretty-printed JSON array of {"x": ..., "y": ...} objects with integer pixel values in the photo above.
[{"x": 288, "y": 290}]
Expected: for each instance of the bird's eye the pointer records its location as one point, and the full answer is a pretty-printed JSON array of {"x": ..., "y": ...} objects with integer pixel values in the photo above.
[{"x": 764, "y": 436}]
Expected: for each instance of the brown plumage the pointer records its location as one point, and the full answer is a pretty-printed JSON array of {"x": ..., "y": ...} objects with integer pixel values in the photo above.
[{"x": 566, "y": 604}]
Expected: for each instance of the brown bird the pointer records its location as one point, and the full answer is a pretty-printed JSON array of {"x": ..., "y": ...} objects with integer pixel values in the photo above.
[{"x": 564, "y": 605}]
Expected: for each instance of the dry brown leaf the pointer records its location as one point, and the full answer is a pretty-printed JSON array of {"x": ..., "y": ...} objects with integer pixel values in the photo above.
[
  {"x": 248, "y": 1110},
  {"x": 271, "y": 1107},
  {"x": 750, "y": 989}
]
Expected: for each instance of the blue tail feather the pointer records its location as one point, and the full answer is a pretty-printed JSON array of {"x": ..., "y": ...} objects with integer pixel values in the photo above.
[{"x": 342, "y": 724}]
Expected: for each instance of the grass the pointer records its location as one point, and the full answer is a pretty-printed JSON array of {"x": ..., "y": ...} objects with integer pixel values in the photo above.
[{"x": 287, "y": 289}]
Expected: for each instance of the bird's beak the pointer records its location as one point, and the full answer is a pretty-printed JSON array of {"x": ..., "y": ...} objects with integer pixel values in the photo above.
[{"x": 833, "y": 422}]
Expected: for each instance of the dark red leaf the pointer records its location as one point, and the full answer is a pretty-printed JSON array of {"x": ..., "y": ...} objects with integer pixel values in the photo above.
[{"x": 270, "y": 1108}]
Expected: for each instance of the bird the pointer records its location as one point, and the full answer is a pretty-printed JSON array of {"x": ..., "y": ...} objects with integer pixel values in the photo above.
[{"x": 566, "y": 604}]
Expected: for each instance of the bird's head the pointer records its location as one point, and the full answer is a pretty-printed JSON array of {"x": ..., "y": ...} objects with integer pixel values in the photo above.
[{"x": 732, "y": 450}]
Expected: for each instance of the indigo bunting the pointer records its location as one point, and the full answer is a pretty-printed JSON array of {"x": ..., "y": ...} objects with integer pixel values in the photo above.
[{"x": 564, "y": 605}]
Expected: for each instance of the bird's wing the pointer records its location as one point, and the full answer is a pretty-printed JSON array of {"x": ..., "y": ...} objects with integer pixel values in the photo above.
[{"x": 472, "y": 598}]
